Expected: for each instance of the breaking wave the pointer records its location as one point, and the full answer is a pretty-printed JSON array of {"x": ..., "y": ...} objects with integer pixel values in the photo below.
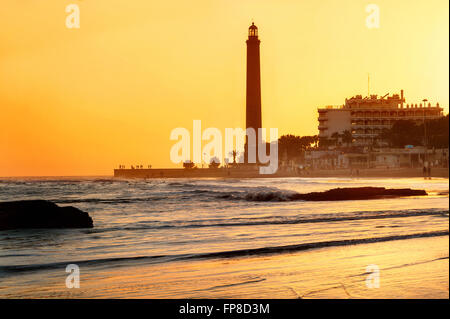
[{"x": 281, "y": 220}]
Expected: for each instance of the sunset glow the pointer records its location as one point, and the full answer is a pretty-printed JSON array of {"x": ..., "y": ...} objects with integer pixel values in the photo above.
[{"x": 82, "y": 101}]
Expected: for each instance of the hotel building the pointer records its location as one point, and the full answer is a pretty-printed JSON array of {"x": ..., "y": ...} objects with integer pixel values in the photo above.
[{"x": 367, "y": 117}]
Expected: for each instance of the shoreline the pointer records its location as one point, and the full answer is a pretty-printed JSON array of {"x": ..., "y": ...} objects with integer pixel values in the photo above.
[
  {"x": 331, "y": 272},
  {"x": 181, "y": 173},
  {"x": 252, "y": 173},
  {"x": 274, "y": 250}
]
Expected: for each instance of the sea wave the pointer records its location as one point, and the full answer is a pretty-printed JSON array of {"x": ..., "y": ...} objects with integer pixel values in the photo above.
[
  {"x": 256, "y": 194},
  {"x": 276, "y": 220},
  {"x": 66, "y": 191}
]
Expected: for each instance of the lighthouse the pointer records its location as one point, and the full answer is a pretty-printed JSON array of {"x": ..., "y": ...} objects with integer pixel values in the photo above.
[{"x": 253, "y": 94}]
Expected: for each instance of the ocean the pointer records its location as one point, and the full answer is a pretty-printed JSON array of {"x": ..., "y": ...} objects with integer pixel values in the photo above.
[{"x": 228, "y": 238}]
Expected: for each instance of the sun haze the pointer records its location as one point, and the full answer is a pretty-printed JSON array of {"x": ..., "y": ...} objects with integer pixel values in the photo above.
[{"x": 81, "y": 101}]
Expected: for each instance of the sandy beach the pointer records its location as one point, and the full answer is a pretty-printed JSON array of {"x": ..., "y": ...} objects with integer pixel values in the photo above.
[
  {"x": 216, "y": 238},
  {"x": 413, "y": 268}
]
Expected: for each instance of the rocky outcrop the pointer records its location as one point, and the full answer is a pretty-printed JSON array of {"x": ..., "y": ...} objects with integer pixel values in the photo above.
[
  {"x": 356, "y": 193},
  {"x": 41, "y": 214}
]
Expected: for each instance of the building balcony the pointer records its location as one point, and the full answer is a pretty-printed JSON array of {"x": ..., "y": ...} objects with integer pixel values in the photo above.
[{"x": 370, "y": 125}]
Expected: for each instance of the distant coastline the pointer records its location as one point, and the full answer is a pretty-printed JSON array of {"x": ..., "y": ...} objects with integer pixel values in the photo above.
[{"x": 252, "y": 173}]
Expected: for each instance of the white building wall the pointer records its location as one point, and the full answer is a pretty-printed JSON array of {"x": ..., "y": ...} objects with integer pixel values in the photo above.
[{"x": 334, "y": 120}]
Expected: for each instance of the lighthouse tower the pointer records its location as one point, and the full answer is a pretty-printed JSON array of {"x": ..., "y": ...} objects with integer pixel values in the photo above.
[{"x": 253, "y": 104}]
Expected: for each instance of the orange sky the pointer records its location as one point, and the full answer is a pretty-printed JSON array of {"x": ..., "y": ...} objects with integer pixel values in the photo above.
[{"x": 82, "y": 101}]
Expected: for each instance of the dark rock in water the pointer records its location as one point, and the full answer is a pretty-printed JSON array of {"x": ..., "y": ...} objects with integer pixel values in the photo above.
[
  {"x": 41, "y": 214},
  {"x": 355, "y": 193}
]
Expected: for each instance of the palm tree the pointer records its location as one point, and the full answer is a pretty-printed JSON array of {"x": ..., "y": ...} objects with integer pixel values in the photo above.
[
  {"x": 335, "y": 137},
  {"x": 316, "y": 140},
  {"x": 234, "y": 154},
  {"x": 347, "y": 137}
]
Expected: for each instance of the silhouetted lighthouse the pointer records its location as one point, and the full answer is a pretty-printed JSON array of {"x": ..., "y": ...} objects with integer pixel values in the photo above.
[{"x": 253, "y": 105}]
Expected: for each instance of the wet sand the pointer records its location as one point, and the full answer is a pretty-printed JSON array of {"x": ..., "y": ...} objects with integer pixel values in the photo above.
[{"x": 412, "y": 268}]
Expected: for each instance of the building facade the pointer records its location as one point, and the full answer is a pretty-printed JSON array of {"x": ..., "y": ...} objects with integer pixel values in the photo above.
[
  {"x": 379, "y": 158},
  {"x": 367, "y": 117}
]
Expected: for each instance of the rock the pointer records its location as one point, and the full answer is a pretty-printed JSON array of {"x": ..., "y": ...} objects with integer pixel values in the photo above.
[
  {"x": 41, "y": 214},
  {"x": 355, "y": 193}
]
